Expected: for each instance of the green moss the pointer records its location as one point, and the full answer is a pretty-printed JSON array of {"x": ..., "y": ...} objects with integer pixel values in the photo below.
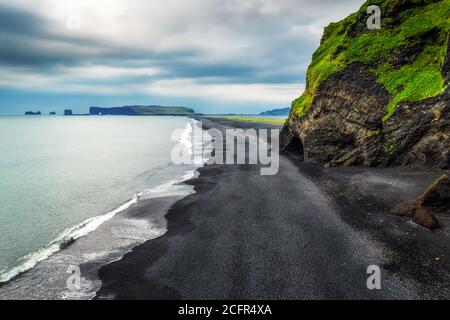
[
  {"x": 252, "y": 119},
  {"x": 415, "y": 82},
  {"x": 323, "y": 64},
  {"x": 371, "y": 47},
  {"x": 373, "y": 133},
  {"x": 389, "y": 144},
  {"x": 420, "y": 79},
  {"x": 301, "y": 105}
]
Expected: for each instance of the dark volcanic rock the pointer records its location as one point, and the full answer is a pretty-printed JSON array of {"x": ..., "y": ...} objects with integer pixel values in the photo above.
[
  {"x": 404, "y": 209},
  {"x": 339, "y": 119},
  {"x": 405, "y": 55},
  {"x": 345, "y": 116},
  {"x": 418, "y": 133},
  {"x": 419, "y": 214},
  {"x": 424, "y": 217},
  {"x": 344, "y": 125},
  {"x": 437, "y": 197}
]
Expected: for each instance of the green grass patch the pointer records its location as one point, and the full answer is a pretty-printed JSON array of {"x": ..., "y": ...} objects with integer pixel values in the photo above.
[
  {"x": 159, "y": 110},
  {"x": 252, "y": 119}
]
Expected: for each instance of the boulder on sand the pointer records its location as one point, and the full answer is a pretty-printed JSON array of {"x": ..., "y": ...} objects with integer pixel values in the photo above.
[
  {"x": 434, "y": 200},
  {"x": 437, "y": 197},
  {"x": 425, "y": 218},
  {"x": 404, "y": 209}
]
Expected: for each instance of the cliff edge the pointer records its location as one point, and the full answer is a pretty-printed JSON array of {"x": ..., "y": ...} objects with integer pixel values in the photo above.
[{"x": 378, "y": 97}]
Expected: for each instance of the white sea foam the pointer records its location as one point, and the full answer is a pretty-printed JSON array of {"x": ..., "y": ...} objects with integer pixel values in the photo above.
[
  {"x": 70, "y": 234},
  {"x": 186, "y": 137},
  {"x": 170, "y": 188}
]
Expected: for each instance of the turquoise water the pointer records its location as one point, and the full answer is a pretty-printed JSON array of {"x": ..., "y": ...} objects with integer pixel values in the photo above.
[{"x": 56, "y": 172}]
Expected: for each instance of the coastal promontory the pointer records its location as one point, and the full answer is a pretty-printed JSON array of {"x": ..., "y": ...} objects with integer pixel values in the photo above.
[
  {"x": 378, "y": 97},
  {"x": 142, "y": 111}
]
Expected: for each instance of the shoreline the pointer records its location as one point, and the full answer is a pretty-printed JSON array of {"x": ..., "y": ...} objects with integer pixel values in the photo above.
[
  {"x": 308, "y": 233},
  {"x": 98, "y": 240}
]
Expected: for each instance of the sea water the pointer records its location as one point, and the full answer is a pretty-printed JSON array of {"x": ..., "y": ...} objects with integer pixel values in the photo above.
[{"x": 63, "y": 178}]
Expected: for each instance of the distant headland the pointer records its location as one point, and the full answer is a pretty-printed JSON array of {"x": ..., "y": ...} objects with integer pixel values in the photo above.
[
  {"x": 142, "y": 111},
  {"x": 31, "y": 113},
  {"x": 277, "y": 112},
  {"x": 127, "y": 111}
]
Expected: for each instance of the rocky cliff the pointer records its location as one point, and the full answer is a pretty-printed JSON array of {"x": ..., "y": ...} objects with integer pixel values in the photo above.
[
  {"x": 142, "y": 111},
  {"x": 378, "y": 97}
]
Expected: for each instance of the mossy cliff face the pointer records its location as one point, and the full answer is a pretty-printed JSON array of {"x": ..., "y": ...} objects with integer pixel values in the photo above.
[{"x": 378, "y": 97}]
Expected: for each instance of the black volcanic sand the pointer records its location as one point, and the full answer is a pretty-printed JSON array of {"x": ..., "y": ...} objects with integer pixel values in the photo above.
[{"x": 308, "y": 232}]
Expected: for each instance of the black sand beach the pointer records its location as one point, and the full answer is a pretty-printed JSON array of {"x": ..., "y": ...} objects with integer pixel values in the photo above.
[{"x": 308, "y": 232}]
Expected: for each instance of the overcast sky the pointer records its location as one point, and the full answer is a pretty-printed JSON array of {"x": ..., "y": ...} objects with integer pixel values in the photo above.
[{"x": 214, "y": 55}]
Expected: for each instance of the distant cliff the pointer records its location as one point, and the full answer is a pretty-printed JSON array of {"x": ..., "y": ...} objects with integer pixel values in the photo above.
[
  {"x": 378, "y": 97},
  {"x": 276, "y": 112},
  {"x": 142, "y": 111}
]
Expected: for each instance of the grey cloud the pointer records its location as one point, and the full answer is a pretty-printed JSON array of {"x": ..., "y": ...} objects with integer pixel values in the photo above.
[{"x": 228, "y": 41}]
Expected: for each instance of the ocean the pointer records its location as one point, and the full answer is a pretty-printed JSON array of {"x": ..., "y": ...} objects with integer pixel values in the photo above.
[{"x": 65, "y": 186}]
